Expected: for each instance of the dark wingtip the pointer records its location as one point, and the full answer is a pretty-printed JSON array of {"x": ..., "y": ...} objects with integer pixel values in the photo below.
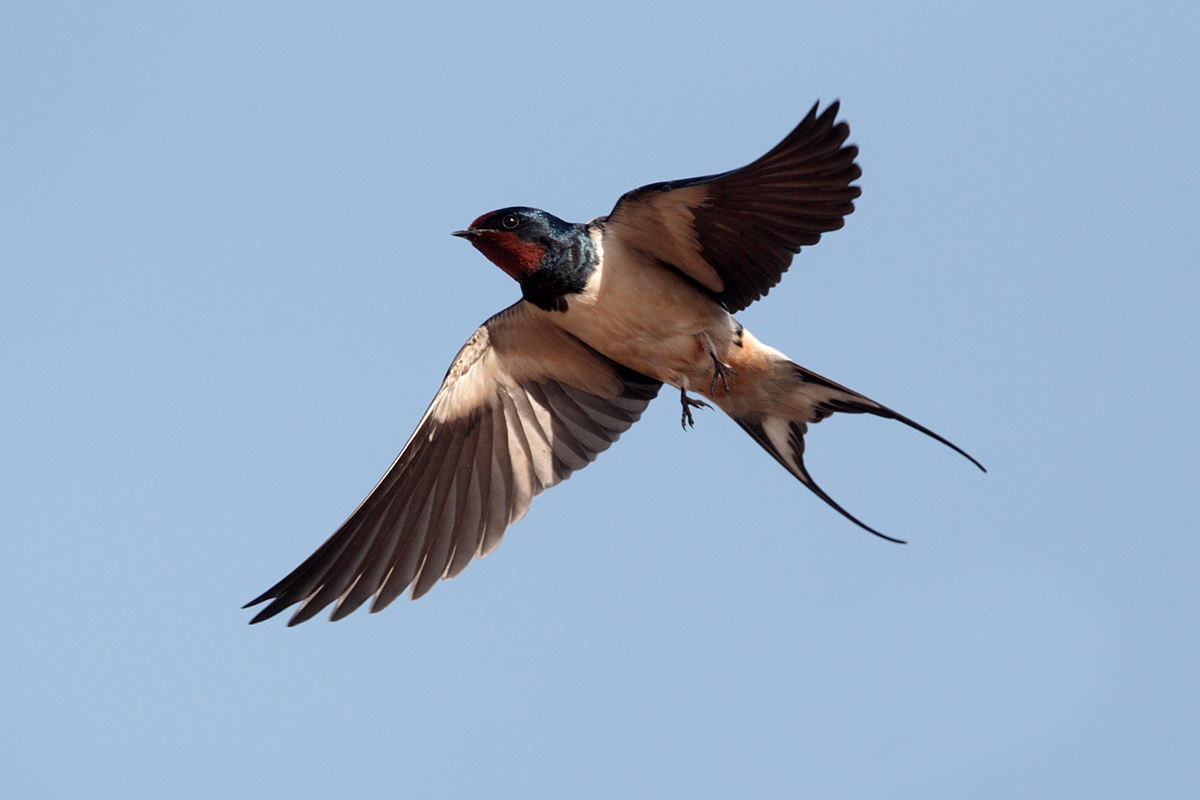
[
  {"x": 265, "y": 613},
  {"x": 261, "y": 598}
]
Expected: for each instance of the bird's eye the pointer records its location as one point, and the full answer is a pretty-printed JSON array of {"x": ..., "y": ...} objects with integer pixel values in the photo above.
[{"x": 510, "y": 221}]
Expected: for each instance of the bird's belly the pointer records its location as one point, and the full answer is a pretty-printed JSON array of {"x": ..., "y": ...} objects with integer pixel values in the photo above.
[
  {"x": 651, "y": 321},
  {"x": 667, "y": 352}
]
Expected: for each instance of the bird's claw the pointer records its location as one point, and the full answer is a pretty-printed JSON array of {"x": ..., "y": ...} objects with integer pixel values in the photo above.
[
  {"x": 688, "y": 405},
  {"x": 724, "y": 372}
]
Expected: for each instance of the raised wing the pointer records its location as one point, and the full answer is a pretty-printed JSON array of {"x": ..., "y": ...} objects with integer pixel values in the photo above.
[
  {"x": 523, "y": 405},
  {"x": 735, "y": 233}
]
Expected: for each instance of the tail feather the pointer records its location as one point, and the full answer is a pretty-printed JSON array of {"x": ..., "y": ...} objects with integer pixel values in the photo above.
[
  {"x": 848, "y": 401},
  {"x": 808, "y": 398},
  {"x": 793, "y": 462}
]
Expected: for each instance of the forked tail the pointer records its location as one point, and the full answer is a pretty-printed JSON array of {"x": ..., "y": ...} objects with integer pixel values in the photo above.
[{"x": 802, "y": 397}]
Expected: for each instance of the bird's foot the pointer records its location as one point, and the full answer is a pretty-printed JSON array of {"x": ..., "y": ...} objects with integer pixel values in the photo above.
[
  {"x": 722, "y": 371},
  {"x": 688, "y": 405}
]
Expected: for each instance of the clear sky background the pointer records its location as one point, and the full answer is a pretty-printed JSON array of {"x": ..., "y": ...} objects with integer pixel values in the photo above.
[{"x": 228, "y": 292}]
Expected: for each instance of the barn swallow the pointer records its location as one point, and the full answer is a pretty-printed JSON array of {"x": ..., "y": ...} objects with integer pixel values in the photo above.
[{"x": 610, "y": 311}]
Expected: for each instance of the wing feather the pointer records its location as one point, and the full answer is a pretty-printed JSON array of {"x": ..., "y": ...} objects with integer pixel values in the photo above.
[
  {"x": 735, "y": 233},
  {"x": 499, "y": 499},
  {"x": 522, "y": 407},
  {"x": 478, "y": 469}
]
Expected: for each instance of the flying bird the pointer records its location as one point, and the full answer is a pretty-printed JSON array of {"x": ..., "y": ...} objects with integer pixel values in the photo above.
[{"x": 610, "y": 311}]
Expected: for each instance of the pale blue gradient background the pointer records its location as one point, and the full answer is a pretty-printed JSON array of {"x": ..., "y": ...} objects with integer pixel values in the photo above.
[{"x": 228, "y": 291}]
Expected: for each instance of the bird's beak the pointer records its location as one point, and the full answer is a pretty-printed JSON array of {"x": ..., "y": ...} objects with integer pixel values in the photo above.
[{"x": 469, "y": 233}]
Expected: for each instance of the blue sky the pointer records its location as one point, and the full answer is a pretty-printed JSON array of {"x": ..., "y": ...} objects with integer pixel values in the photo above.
[{"x": 228, "y": 292}]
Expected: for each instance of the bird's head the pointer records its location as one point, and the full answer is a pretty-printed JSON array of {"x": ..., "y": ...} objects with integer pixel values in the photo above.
[{"x": 518, "y": 239}]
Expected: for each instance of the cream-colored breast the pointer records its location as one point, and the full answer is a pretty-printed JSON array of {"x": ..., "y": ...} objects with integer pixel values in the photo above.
[{"x": 644, "y": 316}]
